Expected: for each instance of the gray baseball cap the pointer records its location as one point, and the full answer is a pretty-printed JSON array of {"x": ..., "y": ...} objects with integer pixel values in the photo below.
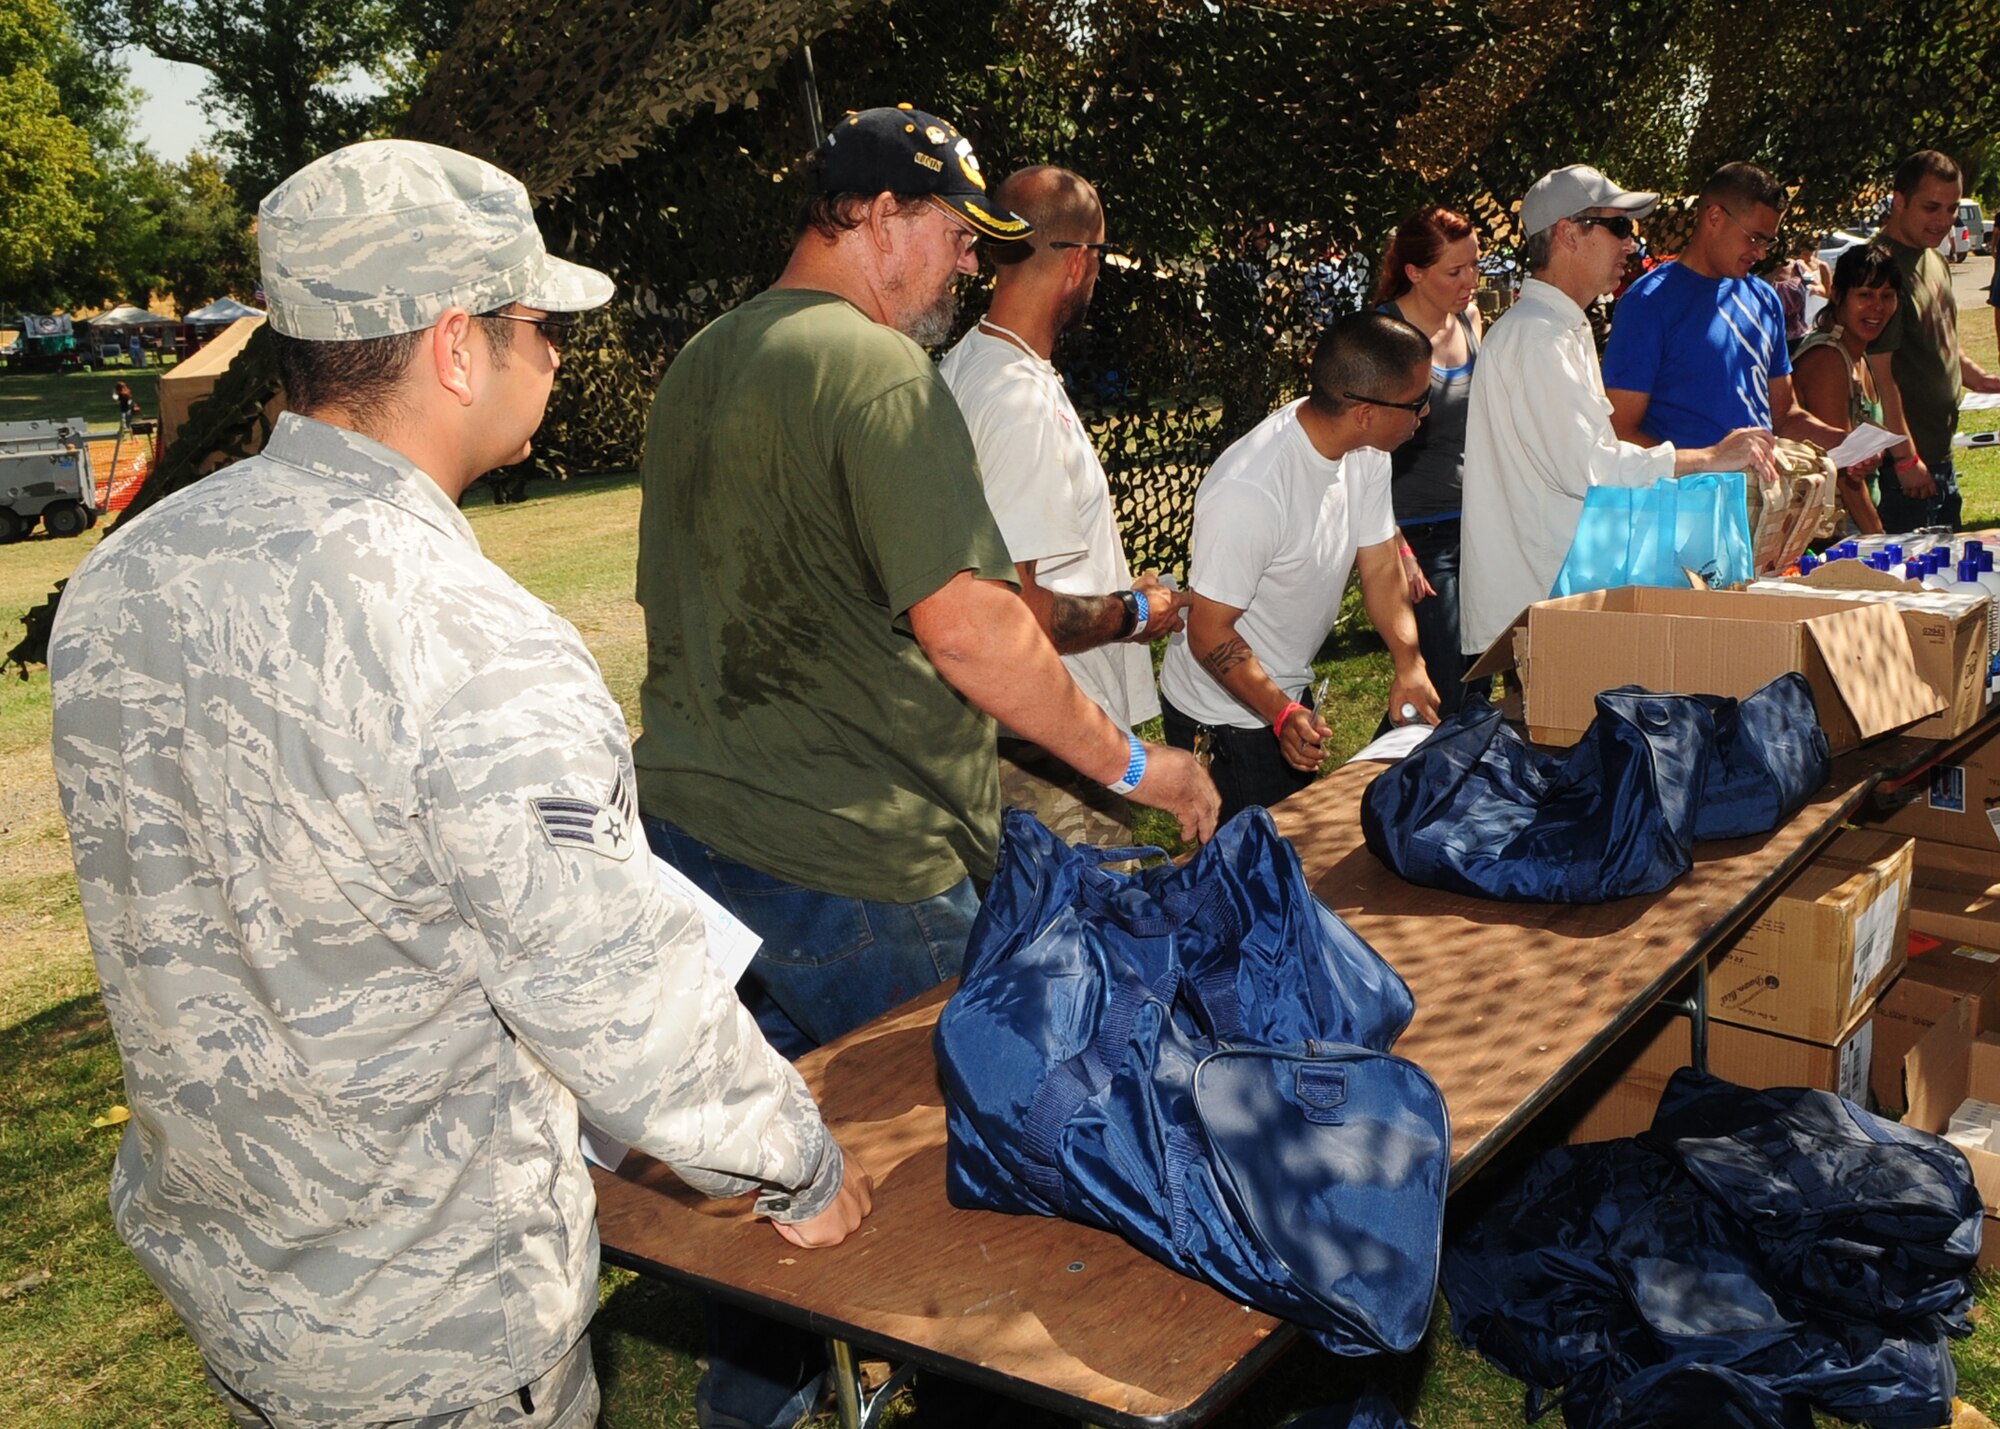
[
  {"x": 1564, "y": 193},
  {"x": 379, "y": 238}
]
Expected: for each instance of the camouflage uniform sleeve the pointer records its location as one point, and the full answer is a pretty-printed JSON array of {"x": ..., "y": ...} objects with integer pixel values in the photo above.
[{"x": 525, "y": 807}]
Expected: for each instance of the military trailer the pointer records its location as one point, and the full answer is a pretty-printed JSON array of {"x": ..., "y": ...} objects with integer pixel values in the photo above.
[{"x": 45, "y": 479}]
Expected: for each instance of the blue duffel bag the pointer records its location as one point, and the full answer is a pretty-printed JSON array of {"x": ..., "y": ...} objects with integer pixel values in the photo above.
[
  {"x": 1197, "y": 1058},
  {"x": 1478, "y": 810}
]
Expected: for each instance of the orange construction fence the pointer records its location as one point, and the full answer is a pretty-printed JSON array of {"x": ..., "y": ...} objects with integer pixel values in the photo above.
[{"x": 120, "y": 465}]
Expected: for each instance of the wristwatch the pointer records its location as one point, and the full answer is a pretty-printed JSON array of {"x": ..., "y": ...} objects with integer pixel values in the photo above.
[{"x": 1130, "y": 600}]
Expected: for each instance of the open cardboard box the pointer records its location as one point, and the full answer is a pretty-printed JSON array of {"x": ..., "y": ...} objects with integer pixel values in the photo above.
[
  {"x": 1937, "y": 977},
  {"x": 1856, "y": 656},
  {"x": 1947, "y": 634},
  {"x": 1953, "y": 1062}
]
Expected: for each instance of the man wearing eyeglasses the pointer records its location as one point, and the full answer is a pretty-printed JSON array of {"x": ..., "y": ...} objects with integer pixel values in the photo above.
[
  {"x": 833, "y": 629},
  {"x": 1698, "y": 345},
  {"x": 354, "y": 830},
  {"x": 1049, "y": 494},
  {"x": 1539, "y": 432},
  {"x": 1281, "y": 519}
]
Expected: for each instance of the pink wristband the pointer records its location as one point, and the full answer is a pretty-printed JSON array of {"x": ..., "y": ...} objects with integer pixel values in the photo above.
[{"x": 1278, "y": 725}]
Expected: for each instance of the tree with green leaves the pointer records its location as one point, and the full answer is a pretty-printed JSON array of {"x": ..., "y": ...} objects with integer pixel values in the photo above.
[
  {"x": 45, "y": 160},
  {"x": 288, "y": 80}
]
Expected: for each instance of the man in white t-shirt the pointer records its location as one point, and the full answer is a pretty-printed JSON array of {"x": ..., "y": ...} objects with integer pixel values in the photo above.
[
  {"x": 1049, "y": 494},
  {"x": 1281, "y": 519}
]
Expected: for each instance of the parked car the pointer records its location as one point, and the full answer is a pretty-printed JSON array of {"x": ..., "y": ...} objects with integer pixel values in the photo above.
[
  {"x": 1957, "y": 243},
  {"x": 1973, "y": 218},
  {"x": 1832, "y": 245}
]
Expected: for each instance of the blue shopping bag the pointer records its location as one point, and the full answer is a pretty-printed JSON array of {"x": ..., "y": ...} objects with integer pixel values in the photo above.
[{"x": 1654, "y": 535}]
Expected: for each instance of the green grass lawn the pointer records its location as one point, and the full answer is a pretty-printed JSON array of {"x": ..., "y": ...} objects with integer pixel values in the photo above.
[
  {"x": 52, "y": 396},
  {"x": 88, "y": 1341}
]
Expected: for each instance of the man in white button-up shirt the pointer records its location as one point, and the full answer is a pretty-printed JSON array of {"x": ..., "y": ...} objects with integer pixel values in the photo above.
[{"x": 1539, "y": 433}]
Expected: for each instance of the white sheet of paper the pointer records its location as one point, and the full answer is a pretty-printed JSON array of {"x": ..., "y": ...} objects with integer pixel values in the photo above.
[
  {"x": 731, "y": 945},
  {"x": 1396, "y": 743},
  {"x": 1979, "y": 401},
  {"x": 1863, "y": 442}
]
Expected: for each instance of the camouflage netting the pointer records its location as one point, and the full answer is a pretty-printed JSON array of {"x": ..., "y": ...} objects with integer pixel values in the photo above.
[{"x": 1254, "y": 159}]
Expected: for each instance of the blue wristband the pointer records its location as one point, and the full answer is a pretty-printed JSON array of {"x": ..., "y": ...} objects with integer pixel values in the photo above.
[
  {"x": 1134, "y": 771},
  {"x": 1145, "y": 613}
]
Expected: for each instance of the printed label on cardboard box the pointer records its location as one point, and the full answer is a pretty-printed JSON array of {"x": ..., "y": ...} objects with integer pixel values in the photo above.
[
  {"x": 1947, "y": 791},
  {"x": 1875, "y": 939},
  {"x": 1855, "y": 1056}
]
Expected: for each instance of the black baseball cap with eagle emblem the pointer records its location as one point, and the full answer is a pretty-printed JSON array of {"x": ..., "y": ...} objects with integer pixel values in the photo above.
[{"x": 906, "y": 151}]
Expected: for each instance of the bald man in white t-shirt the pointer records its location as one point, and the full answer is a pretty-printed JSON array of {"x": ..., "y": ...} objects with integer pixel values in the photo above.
[
  {"x": 1050, "y": 497},
  {"x": 1280, "y": 521}
]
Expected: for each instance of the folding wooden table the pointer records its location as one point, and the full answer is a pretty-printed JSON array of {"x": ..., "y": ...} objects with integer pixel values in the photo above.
[{"x": 1514, "y": 1002}]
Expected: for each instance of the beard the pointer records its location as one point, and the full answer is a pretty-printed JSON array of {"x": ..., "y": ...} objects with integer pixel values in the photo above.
[
  {"x": 1075, "y": 313},
  {"x": 929, "y": 327}
]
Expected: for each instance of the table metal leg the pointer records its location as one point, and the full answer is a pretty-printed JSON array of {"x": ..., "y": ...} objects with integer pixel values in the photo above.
[
  {"x": 1693, "y": 1004},
  {"x": 1698, "y": 1020},
  {"x": 858, "y": 1409}
]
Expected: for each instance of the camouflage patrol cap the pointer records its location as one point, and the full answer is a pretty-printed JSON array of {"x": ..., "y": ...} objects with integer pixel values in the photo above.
[{"x": 379, "y": 238}]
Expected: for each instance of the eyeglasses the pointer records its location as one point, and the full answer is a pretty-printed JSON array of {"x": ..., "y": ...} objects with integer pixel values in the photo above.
[
  {"x": 1620, "y": 227},
  {"x": 555, "y": 330},
  {"x": 1759, "y": 241},
  {"x": 1415, "y": 409}
]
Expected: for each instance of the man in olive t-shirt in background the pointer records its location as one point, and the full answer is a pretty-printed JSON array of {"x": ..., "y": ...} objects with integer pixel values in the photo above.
[
  {"x": 1918, "y": 363},
  {"x": 832, "y": 628}
]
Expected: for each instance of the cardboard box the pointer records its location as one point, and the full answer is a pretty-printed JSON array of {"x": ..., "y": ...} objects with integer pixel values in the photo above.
[
  {"x": 1825, "y": 947},
  {"x": 1856, "y": 656},
  {"x": 1948, "y": 635},
  {"x": 1931, "y": 985},
  {"x": 1618, "y": 1096},
  {"x": 1939, "y": 1072},
  {"x": 1955, "y": 893},
  {"x": 1959, "y": 803}
]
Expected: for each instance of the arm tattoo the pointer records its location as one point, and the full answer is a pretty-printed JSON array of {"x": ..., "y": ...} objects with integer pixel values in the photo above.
[
  {"x": 1226, "y": 657},
  {"x": 1080, "y": 622}
]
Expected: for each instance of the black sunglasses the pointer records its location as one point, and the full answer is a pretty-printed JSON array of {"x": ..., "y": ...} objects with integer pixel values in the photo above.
[
  {"x": 1098, "y": 248},
  {"x": 1415, "y": 409},
  {"x": 555, "y": 329},
  {"x": 1620, "y": 227}
]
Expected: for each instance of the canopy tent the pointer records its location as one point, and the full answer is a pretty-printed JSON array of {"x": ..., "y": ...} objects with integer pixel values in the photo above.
[
  {"x": 194, "y": 377},
  {"x": 129, "y": 316},
  {"x": 222, "y": 312}
]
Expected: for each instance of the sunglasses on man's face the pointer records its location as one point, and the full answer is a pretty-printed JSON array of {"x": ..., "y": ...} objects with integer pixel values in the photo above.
[
  {"x": 555, "y": 329},
  {"x": 1620, "y": 228}
]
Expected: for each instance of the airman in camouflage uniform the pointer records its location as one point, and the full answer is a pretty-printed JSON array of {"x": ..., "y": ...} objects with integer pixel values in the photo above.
[{"x": 355, "y": 825}]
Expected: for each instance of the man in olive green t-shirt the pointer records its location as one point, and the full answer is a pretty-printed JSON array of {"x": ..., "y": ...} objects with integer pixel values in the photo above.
[
  {"x": 1918, "y": 364},
  {"x": 832, "y": 628}
]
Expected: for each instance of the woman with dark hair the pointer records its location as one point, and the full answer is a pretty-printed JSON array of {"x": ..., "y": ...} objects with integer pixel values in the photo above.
[
  {"x": 1428, "y": 278},
  {"x": 1830, "y": 369},
  {"x": 128, "y": 405}
]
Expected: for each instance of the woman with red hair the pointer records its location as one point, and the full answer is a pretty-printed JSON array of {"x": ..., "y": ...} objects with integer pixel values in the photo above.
[{"x": 1428, "y": 278}]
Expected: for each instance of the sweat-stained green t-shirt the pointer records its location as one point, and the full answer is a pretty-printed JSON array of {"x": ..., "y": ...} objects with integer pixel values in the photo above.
[{"x": 807, "y": 479}]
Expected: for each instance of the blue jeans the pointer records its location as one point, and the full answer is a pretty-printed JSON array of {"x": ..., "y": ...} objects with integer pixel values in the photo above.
[
  {"x": 1900, "y": 513},
  {"x": 1435, "y": 545},
  {"x": 828, "y": 965}
]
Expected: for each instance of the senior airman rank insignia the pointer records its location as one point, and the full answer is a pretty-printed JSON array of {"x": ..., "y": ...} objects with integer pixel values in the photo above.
[{"x": 610, "y": 828}]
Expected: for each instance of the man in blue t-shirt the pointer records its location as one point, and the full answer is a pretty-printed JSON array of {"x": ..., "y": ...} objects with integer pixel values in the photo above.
[{"x": 1698, "y": 345}]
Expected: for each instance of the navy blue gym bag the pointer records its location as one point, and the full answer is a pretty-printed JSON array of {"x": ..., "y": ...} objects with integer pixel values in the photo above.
[
  {"x": 1478, "y": 810},
  {"x": 1197, "y": 1058},
  {"x": 1756, "y": 1256}
]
